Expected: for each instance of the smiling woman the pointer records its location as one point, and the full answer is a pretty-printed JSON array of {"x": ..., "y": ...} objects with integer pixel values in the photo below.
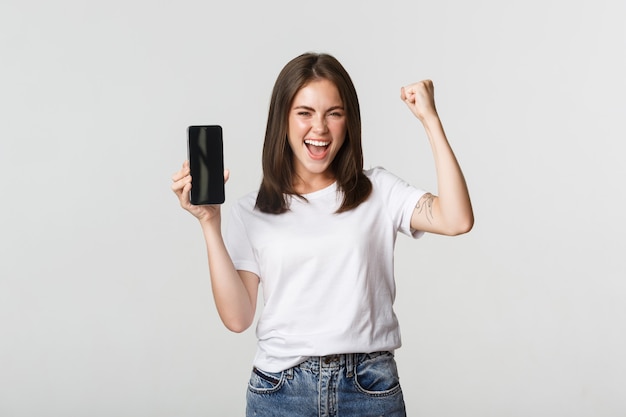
[
  {"x": 319, "y": 238},
  {"x": 317, "y": 130},
  {"x": 313, "y": 99}
]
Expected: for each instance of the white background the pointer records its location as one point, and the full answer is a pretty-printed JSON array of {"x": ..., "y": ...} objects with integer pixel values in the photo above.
[{"x": 105, "y": 300}]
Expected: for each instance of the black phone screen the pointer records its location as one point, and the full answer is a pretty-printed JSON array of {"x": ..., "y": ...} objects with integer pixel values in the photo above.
[{"x": 206, "y": 163}]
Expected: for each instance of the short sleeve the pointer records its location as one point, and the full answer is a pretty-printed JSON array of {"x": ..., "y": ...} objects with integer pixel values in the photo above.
[
  {"x": 238, "y": 243},
  {"x": 399, "y": 197}
]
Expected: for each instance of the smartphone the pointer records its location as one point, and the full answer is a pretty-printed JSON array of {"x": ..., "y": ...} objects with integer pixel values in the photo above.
[{"x": 206, "y": 163}]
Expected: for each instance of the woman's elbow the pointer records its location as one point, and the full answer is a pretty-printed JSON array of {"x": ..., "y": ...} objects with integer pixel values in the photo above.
[
  {"x": 237, "y": 327},
  {"x": 238, "y": 324},
  {"x": 465, "y": 228},
  {"x": 461, "y": 226}
]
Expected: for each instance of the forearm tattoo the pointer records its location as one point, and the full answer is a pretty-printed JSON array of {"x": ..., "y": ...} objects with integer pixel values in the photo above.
[{"x": 425, "y": 205}]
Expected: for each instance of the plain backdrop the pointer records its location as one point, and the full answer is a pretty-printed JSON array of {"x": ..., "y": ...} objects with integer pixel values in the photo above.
[{"x": 105, "y": 300}]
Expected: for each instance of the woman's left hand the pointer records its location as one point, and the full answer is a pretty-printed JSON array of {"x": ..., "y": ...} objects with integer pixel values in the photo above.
[{"x": 420, "y": 98}]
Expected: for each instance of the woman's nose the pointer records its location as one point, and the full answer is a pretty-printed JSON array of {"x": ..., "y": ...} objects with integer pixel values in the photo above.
[{"x": 319, "y": 124}]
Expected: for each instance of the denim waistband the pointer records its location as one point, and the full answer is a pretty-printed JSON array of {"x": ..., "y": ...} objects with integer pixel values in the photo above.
[{"x": 348, "y": 361}]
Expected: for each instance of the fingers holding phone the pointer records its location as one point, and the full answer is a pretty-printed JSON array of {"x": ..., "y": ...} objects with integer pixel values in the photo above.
[
  {"x": 182, "y": 186},
  {"x": 181, "y": 182}
]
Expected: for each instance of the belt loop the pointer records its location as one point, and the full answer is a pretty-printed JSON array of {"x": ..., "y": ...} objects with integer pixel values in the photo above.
[
  {"x": 289, "y": 373},
  {"x": 350, "y": 365}
]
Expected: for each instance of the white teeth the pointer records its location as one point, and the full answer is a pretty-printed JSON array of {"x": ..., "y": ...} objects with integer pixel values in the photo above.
[{"x": 316, "y": 142}]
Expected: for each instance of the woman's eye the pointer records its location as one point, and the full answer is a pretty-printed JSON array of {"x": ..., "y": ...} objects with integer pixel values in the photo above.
[{"x": 304, "y": 113}]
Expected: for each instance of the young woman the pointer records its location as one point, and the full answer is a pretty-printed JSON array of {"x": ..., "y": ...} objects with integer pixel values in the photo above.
[{"x": 319, "y": 237}]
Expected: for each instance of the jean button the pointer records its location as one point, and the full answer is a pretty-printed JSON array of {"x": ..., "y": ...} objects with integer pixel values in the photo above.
[{"x": 329, "y": 359}]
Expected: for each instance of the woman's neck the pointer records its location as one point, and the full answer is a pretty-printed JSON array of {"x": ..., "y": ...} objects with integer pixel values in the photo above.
[{"x": 312, "y": 183}]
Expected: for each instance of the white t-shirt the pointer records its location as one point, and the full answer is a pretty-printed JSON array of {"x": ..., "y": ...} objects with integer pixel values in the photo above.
[{"x": 328, "y": 279}]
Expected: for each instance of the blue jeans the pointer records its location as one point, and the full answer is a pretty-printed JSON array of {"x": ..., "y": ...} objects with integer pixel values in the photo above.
[{"x": 354, "y": 385}]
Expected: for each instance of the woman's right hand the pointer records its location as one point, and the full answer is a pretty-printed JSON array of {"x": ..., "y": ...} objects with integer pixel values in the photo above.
[{"x": 182, "y": 186}]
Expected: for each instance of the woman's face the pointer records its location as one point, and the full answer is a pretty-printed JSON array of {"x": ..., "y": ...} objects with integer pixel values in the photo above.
[{"x": 317, "y": 129}]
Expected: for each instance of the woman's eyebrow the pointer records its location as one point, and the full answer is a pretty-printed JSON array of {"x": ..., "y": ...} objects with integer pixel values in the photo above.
[{"x": 303, "y": 107}]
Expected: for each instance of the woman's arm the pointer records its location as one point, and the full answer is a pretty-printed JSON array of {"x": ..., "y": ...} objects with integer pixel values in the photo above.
[
  {"x": 450, "y": 212},
  {"x": 235, "y": 292}
]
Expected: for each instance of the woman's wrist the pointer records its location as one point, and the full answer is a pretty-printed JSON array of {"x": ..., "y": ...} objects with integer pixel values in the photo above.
[{"x": 209, "y": 223}]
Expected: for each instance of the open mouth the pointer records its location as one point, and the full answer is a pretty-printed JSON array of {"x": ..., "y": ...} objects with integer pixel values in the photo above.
[{"x": 317, "y": 148}]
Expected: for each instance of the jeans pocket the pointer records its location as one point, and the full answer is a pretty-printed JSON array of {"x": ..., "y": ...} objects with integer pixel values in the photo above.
[
  {"x": 377, "y": 375},
  {"x": 262, "y": 382}
]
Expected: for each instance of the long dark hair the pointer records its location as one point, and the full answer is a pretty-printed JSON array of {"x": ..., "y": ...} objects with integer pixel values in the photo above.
[{"x": 278, "y": 169}]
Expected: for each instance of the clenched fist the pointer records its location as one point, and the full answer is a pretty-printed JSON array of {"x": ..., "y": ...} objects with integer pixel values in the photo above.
[{"x": 420, "y": 98}]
